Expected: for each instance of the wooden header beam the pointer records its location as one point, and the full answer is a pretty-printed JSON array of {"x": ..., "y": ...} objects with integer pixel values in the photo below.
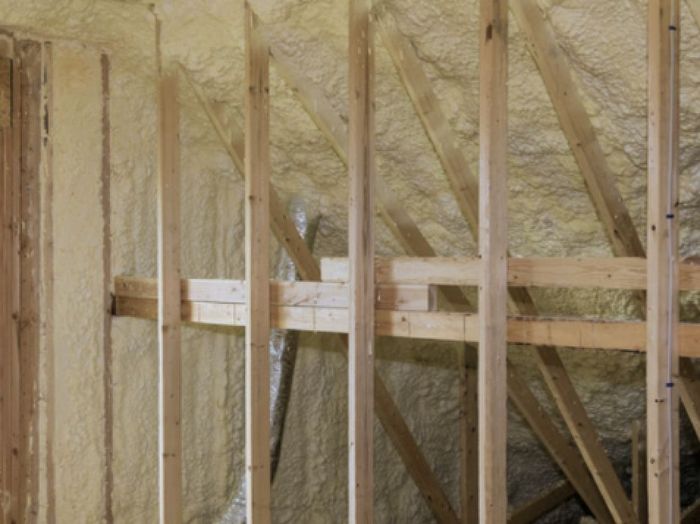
[
  {"x": 607, "y": 273},
  {"x": 283, "y": 293},
  {"x": 663, "y": 306},
  {"x": 448, "y": 326}
]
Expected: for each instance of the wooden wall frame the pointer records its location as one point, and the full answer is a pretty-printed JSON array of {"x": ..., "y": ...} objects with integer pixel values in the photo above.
[
  {"x": 580, "y": 455},
  {"x": 19, "y": 282}
]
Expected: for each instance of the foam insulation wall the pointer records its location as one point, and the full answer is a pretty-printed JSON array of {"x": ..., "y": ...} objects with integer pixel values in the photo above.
[{"x": 550, "y": 215}]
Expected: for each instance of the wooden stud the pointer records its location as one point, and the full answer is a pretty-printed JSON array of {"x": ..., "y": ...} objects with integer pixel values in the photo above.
[
  {"x": 361, "y": 256},
  {"x": 23, "y": 161},
  {"x": 452, "y": 326},
  {"x": 169, "y": 301},
  {"x": 257, "y": 263},
  {"x": 9, "y": 324},
  {"x": 47, "y": 278},
  {"x": 662, "y": 258},
  {"x": 283, "y": 293},
  {"x": 493, "y": 247},
  {"x": 107, "y": 379}
]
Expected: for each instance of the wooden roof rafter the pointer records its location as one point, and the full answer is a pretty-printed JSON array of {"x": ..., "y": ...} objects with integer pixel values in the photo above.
[{"x": 578, "y": 129}]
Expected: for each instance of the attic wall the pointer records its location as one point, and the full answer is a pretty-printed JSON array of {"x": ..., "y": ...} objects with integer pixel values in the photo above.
[{"x": 550, "y": 216}]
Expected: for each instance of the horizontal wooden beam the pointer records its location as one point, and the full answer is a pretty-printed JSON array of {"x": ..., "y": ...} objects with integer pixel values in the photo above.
[
  {"x": 447, "y": 326},
  {"x": 284, "y": 293},
  {"x": 609, "y": 273}
]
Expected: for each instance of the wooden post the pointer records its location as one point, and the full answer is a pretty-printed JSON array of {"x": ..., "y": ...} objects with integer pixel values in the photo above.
[
  {"x": 361, "y": 254},
  {"x": 257, "y": 264},
  {"x": 9, "y": 324},
  {"x": 169, "y": 307},
  {"x": 493, "y": 245},
  {"x": 662, "y": 263}
]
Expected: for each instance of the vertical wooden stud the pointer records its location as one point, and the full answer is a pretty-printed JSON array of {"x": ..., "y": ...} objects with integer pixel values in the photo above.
[
  {"x": 662, "y": 263},
  {"x": 169, "y": 307},
  {"x": 493, "y": 240},
  {"x": 361, "y": 254},
  {"x": 257, "y": 263},
  {"x": 105, "y": 200}
]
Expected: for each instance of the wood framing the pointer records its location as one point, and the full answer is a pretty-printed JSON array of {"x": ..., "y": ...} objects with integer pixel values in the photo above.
[
  {"x": 493, "y": 248},
  {"x": 9, "y": 324},
  {"x": 257, "y": 269},
  {"x": 662, "y": 258},
  {"x": 549, "y": 362},
  {"x": 20, "y": 159},
  {"x": 105, "y": 202},
  {"x": 387, "y": 412},
  {"x": 283, "y": 293},
  {"x": 603, "y": 273},
  {"x": 449, "y": 326},
  {"x": 169, "y": 304},
  {"x": 393, "y": 213},
  {"x": 361, "y": 257}
]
